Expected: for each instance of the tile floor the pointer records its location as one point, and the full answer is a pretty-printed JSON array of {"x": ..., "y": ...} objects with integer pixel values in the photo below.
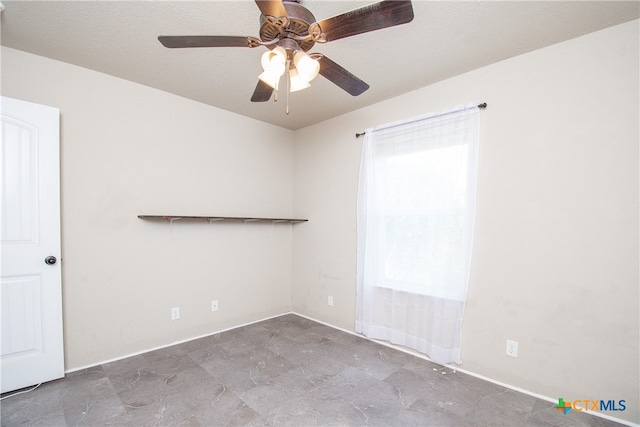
[{"x": 283, "y": 371}]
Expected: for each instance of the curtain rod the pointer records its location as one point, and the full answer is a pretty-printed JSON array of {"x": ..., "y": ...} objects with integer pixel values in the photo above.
[{"x": 481, "y": 106}]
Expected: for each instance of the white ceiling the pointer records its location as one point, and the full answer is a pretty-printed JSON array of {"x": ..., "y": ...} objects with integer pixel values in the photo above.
[{"x": 446, "y": 38}]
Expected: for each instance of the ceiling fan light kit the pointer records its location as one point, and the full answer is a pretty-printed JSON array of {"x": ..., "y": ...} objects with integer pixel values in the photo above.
[{"x": 289, "y": 30}]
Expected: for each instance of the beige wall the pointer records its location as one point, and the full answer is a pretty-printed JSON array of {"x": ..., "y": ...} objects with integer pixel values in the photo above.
[
  {"x": 556, "y": 249},
  {"x": 556, "y": 246},
  {"x": 126, "y": 150}
]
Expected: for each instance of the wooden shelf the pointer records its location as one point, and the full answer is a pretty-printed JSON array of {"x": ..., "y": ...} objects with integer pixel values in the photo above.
[{"x": 221, "y": 218}]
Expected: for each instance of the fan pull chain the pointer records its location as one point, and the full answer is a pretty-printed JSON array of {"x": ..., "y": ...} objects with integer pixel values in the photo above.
[
  {"x": 275, "y": 91},
  {"x": 288, "y": 84}
]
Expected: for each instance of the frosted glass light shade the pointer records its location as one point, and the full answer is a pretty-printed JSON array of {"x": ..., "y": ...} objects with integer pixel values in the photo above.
[
  {"x": 307, "y": 67},
  {"x": 273, "y": 63},
  {"x": 277, "y": 55},
  {"x": 296, "y": 82},
  {"x": 271, "y": 79}
]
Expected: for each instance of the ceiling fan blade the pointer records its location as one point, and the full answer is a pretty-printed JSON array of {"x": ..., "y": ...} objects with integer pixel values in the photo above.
[
  {"x": 204, "y": 41},
  {"x": 273, "y": 8},
  {"x": 341, "y": 77},
  {"x": 262, "y": 92},
  {"x": 369, "y": 18}
]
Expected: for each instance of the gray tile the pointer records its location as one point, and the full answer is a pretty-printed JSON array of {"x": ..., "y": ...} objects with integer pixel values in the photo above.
[
  {"x": 501, "y": 409},
  {"x": 314, "y": 410},
  {"x": 313, "y": 357},
  {"x": 277, "y": 343},
  {"x": 87, "y": 393},
  {"x": 239, "y": 345},
  {"x": 267, "y": 398},
  {"x": 425, "y": 413},
  {"x": 376, "y": 361},
  {"x": 362, "y": 390},
  {"x": 104, "y": 412},
  {"x": 34, "y": 418},
  {"x": 35, "y": 407},
  {"x": 409, "y": 387},
  {"x": 207, "y": 402},
  {"x": 206, "y": 354},
  {"x": 241, "y": 372},
  {"x": 92, "y": 402}
]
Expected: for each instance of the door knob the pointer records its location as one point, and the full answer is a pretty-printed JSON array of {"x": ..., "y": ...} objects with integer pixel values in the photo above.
[{"x": 50, "y": 260}]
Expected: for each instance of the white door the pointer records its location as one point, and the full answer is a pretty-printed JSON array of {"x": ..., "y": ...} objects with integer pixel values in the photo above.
[{"x": 31, "y": 289}]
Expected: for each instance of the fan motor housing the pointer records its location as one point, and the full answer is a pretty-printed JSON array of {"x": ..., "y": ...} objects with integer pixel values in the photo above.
[{"x": 299, "y": 19}]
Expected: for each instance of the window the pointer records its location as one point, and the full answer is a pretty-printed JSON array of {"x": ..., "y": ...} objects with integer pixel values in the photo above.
[{"x": 422, "y": 225}]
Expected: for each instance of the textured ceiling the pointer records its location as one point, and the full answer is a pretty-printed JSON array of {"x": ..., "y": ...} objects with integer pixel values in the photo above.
[{"x": 446, "y": 38}]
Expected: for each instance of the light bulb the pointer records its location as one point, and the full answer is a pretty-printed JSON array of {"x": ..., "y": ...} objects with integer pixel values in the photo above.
[{"x": 307, "y": 67}]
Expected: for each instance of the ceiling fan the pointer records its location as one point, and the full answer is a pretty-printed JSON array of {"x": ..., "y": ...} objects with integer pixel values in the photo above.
[{"x": 289, "y": 30}]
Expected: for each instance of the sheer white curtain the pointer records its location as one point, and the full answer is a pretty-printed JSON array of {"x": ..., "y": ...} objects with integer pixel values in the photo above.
[{"x": 416, "y": 208}]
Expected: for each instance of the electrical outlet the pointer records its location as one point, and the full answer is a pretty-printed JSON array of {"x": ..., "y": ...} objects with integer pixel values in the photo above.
[
  {"x": 512, "y": 348},
  {"x": 214, "y": 305},
  {"x": 175, "y": 313},
  {"x": 330, "y": 301}
]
